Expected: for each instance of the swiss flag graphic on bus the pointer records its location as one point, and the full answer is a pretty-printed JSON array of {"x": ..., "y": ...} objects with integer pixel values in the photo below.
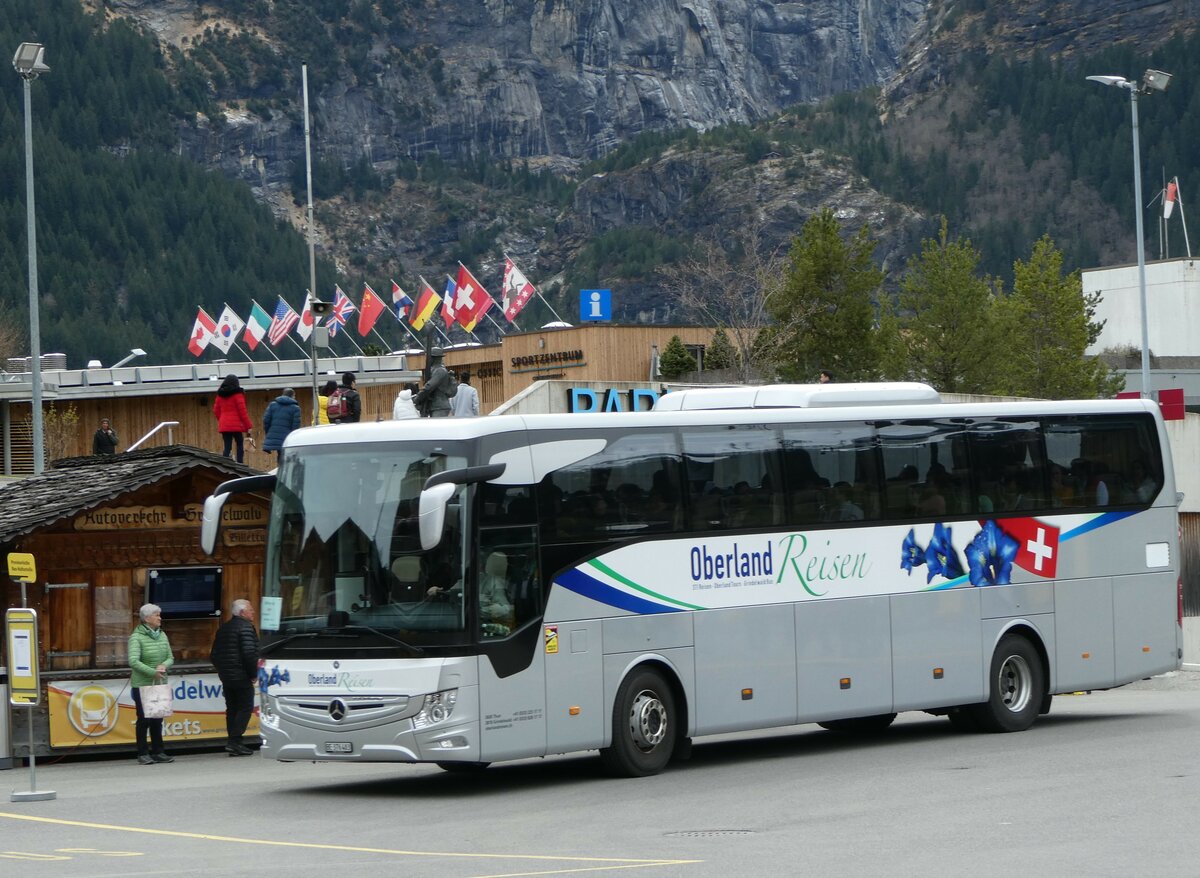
[{"x": 1037, "y": 549}]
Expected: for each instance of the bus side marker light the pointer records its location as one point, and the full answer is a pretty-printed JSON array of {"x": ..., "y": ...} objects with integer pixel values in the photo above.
[
  {"x": 1145, "y": 649},
  {"x": 747, "y": 694},
  {"x": 939, "y": 673},
  {"x": 1086, "y": 655},
  {"x": 573, "y": 711},
  {"x": 844, "y": 682}
]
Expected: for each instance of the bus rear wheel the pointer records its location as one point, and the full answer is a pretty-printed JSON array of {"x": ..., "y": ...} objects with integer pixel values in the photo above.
[
  {"x": 643, "y": 726},
  {"x": 860, "y": 725},
  {"x": 1018, "y": 687}
]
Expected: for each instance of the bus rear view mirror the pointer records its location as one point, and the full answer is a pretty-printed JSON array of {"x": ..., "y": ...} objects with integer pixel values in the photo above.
[
  {"x": 210, "y": 523},
  {"x": 431, "y": 513}
]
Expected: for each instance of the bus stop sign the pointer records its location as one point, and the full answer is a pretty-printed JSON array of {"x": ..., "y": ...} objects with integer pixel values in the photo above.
[{"x": 21, "y": 567}]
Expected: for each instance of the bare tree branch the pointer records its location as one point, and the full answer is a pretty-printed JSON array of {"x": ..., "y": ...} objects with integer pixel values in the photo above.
[{"x": 729, "y": 284}]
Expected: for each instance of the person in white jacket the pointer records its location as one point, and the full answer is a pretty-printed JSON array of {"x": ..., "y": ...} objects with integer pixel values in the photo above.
[
  {"x": 404, "y": 409},
  {"x": 466, "y": 402}
]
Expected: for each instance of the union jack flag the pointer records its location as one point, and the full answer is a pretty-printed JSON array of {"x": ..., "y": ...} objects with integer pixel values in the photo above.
[
  {"x": 283, "y": 321},
  {"x": 342, "y": 308}
]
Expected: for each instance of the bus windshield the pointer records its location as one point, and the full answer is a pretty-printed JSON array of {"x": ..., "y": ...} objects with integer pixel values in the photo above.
[{"x": 344, "y": 554}]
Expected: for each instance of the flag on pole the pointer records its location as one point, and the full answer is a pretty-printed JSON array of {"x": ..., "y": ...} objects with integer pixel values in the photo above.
[
  {"x": 448, "y": 302},
  {"x": 203, "y": 332},
  {"x": 342, "y": 308},
  {"x": 256, "y": 326},
  {"x": 400, "y": 301},
  {"x": 1169, "y": 199},
  {"x": 228, "y": 326},
  {"x": 427, "y": 305},
  {"x": 307, "y": 321},
  {"x": 281, "y": 324},
  {"x": 517, "y": 290},
  {"x": 370, "y": 309},
  {"x": 471, "y": 300}
]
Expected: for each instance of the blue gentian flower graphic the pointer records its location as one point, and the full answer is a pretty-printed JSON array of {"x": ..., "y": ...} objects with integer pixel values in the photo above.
[
  {"x": 911, "y": 555},
  {"x": 940, "y": 557},
  {"x": 990, "y": 555}
]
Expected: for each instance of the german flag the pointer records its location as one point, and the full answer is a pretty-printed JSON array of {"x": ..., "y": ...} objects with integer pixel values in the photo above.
[{"x": 427, "y": 305}]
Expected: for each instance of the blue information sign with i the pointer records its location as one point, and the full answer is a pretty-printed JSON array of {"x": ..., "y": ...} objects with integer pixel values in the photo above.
[{"x": 595, "y": 305}]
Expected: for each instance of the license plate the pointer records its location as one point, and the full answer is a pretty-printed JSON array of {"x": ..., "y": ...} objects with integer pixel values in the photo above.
[{"x": 339, "y": 747}]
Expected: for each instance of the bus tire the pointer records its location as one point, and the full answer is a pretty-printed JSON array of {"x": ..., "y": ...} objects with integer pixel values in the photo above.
[
  {"x": 1018, "y": 686},
  {"x": 643, "y": 726},
  {"x": 860, "y": 725},
  {"x": 463, "y": 767}
]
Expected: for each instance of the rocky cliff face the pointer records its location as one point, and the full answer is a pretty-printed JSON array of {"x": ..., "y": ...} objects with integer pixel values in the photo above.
[{"x": 508, "y": 78}]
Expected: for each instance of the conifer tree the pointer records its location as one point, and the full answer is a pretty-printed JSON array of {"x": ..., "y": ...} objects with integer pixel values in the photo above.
[
  {"x": 720, "y": 353},
  {"x": 824, "y": 309},
  {"x": 946, "y": 323},
  {"x": 675, "y": 361},
  {"x": 1047, "y": 325}
]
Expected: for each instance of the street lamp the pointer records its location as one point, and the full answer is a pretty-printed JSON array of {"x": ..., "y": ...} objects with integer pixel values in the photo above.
[
  {"x": 1152, "y": 81},
  {"x": 133, "y": 353},
  {"x": 29, "y": 66}
]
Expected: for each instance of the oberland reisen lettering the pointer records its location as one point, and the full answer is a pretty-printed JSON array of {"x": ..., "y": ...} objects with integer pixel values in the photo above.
[{"x": 551, "y": 357}]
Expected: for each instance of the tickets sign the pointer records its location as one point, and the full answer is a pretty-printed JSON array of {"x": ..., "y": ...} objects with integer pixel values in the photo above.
[{"x": 93, "y": 713}]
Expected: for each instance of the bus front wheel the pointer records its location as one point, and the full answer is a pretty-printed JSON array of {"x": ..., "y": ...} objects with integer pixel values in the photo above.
[
  {"x": 643, "y": 726},
  {"x": 1018, "y": 687}
]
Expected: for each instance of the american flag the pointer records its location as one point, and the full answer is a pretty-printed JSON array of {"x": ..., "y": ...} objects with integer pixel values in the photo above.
[{"x": 283, "y": 321}]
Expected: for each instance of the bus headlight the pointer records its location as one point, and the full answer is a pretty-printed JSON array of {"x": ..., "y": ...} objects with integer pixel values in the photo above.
[{"x": 437, "y": 708}]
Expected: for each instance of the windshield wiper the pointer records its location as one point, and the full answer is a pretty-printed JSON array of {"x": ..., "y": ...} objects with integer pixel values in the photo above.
[
  {"x": 301, "y": 635},
  {"x": 416, "y": 650}
]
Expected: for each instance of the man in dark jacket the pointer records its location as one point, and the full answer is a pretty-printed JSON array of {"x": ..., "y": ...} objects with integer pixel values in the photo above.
[
  {"x": 281, "y": 418},
  {"x": 235, "y": 656}
]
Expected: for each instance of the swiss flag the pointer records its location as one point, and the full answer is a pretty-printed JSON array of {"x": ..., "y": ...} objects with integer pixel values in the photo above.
[{"x": 1037, "y": 541}]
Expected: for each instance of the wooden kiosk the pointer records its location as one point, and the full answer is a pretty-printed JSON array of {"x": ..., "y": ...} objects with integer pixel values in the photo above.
[{"x": 110, "y": 534}]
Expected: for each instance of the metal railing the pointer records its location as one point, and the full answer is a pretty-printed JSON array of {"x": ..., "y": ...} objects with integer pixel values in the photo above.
[{"x": 170, "y": 434}]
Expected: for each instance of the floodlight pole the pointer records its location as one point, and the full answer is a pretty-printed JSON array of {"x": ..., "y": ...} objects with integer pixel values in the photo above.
[
  {"x": 1141, "y": 241},
  {"x": 35, "y": 341}
]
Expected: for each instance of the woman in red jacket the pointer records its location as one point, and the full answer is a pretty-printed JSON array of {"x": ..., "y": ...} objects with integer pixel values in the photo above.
[{"x": 233, "y": 422}]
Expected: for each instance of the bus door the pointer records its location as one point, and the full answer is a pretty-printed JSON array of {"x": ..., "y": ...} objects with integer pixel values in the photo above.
[{"x": 508, "y": 597}]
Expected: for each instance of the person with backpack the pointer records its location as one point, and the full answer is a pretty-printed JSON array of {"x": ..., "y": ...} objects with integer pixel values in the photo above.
[
  {"x": 345, "y": 405},
  {"x": 327, "y": 390},
  {"x": 281, "y": 418},
  {"x": 233, "y": 421}
]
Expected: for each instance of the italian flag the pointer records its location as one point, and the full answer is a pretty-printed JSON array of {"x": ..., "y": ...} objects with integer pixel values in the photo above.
[{"x": 256, "y": 326}]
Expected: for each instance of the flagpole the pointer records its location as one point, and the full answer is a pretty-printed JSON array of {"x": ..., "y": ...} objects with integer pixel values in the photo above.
[
  {"x": 298, "y": 345},
  {"x": 512, "y": 320},
  {"x": 312, "y": 244},
  {"x": 254, "y": 302},
  {"x": 407, "y": 328},
  {"x": 433, "y": 317},
  {"x": 548, "y": 305},
  {"x": 386, "y": 345},
  {"x": 400, "y": 319},
  {"x": 1183, "y": 218},
  {"x": 488, "y": 315},
  {"x": 353, "y": 342}
]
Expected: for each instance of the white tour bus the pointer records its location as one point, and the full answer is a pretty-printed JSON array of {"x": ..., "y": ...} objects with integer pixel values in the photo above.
[{"x": 467, "y": 591}]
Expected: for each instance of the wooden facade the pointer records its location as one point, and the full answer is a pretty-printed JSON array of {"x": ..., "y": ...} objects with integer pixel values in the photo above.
[{"x": 96, "y": 528}]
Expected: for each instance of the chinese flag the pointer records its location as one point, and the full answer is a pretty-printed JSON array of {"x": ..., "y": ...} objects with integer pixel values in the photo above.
[
  {"x": 1038, "y": 545},
  {"x": 372, "y": 306}
]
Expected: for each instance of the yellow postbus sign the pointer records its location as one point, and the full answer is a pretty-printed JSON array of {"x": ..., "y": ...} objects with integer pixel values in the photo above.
[
  {"x": 21, "y": 567},
  {"x": 20, "y": 626}
]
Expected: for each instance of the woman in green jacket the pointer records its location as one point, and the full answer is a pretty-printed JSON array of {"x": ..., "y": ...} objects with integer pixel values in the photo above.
[{"x": 150, "y": 658}]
